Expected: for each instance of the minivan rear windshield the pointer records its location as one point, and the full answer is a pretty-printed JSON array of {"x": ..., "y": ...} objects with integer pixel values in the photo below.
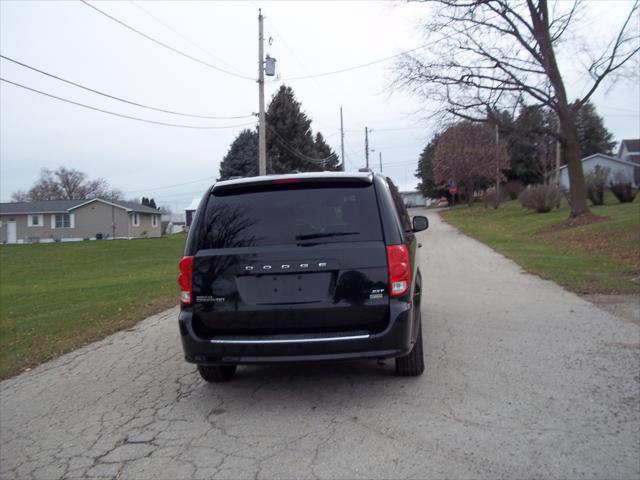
[{"x": 291, "y": 215}]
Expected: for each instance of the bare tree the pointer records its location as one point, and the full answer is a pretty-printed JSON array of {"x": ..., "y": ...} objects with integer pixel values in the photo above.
[
  {"x": 466, "y": 153},
  {"x": 20, "y": 196},
  {"x": 46, "y": 188},
  {"x": 486, "y": 55},
  {"x": 71, "y": 181},
  {"x": 67, "y": 184}
]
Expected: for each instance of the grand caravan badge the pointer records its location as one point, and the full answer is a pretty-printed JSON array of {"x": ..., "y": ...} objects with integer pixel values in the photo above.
[{"x": 209, "y": 299}]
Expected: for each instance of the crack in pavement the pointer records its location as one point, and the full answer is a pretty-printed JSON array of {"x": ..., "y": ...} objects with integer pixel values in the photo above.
[{"x": 523, "y": 379}]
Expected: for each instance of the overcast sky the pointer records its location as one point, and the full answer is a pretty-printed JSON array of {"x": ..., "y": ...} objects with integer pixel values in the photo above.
[{"x": 73, "y": 41}]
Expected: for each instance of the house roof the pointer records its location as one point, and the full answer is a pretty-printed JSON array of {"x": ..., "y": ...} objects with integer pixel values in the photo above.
[
  {"x": 633, "y": 144},
  {"x": 193, "y": 206},
  {"x": 635, "y": 158},
  {"x": 65, "y": 206},
  {"x": 605, "y": 157},
  {"x": 47, "y": 206}
]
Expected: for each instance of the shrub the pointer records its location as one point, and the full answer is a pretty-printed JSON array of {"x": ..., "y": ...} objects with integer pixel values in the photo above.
[
  {"x": 541, "y": 198},
  {"x": 513, "y": 188},
  {"x": 622, "y": 188},
  {"x": 596, "y": 181},
  {"x": 490, "y": 198}
]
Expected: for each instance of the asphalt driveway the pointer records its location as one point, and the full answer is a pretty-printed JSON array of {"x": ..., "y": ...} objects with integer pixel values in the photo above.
[{"x": 523, "y": 380}]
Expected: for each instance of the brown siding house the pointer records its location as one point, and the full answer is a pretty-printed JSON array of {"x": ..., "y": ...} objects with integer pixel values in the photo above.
[{"x": 74, "y": 220}]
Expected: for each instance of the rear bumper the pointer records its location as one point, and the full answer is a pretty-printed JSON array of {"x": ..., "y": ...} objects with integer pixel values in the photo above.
[{"x": 394, "y": 341}]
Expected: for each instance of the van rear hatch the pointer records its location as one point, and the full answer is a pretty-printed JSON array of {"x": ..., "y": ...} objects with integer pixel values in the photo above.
[{"x": 290, "y": 257}]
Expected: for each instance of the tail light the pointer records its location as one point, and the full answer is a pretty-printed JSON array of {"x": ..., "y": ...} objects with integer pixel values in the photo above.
[
  {"x": 399, "y": 269},
  {"x": 184, "y": 279}
]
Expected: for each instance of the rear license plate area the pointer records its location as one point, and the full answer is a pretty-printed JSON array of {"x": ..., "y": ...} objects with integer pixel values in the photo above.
[{"x": 284, "y": 288}]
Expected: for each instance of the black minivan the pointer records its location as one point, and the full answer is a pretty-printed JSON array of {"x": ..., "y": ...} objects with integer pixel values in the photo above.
[{"x": 301, "y": 267}]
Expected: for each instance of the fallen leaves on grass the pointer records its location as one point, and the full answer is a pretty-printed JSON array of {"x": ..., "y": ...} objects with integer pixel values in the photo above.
[{"x": 584, "y": 219}]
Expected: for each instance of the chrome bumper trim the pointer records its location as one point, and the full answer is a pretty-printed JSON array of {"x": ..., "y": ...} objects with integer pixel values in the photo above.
[{"x": 289, "y": 340}]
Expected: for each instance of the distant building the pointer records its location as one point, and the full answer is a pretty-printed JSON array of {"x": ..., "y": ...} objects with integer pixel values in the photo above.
[
  {"x": 172, "y": 223},
  {"x": 190, "y": 211},
  {"x": 617, "y": 167},
  {"x": 630, "y": 151},
  {"x": 74, "y": 220},
  {"x": 413, "y": 198}
]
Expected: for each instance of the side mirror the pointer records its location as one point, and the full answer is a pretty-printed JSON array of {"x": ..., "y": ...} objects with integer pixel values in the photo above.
[{"x": 419, "y": 223}]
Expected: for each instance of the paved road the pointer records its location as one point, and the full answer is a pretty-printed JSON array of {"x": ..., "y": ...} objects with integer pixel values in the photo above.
[{"x": 523, "y": 380}]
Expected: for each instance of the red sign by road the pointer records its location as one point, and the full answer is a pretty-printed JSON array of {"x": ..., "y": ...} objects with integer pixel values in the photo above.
[{"x": 453, "y": 190}]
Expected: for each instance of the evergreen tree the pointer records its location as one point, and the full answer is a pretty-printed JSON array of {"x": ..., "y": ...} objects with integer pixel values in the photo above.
[
  {"x": 242, "y": 158},
  {"x": 593, "y": 137},
  {"x": 532, "y": 140},
  {"x": 427, "y": 185},
  {"x": 528, "y": 137},
  {"x": 290, "y": 144},
  {"x": 323, "y": 151}
]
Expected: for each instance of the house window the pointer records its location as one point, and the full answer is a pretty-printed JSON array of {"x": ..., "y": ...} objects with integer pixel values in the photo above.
[
  {"x": 63, "y": 220},
  {"x": 154, "y": 220},
  {"x": 35, "y": 220},
  {"x": 135, "y": 220}
]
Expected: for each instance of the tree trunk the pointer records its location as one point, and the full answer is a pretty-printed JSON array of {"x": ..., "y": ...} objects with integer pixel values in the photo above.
[
  {"x": 566, "y": 115},
  {"x": 578, "y": 189},
  {"x": 469, "y": 192}
]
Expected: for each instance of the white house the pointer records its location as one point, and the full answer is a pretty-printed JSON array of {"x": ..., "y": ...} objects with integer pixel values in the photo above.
[
  {"x": 630, "y": 151},
  {"x": 616, "y": 166},
  {"x": 173, "y": 223},
  {"x": 413, "y": 198},
  {"x": 191, "y": 210}
]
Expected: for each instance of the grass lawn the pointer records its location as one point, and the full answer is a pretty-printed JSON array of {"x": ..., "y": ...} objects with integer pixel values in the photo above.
[
  {"x": 600, "y": 257},
  {"x": 56, "y": 297}
]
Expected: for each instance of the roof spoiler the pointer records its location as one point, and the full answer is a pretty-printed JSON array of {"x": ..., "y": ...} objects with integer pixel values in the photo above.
[{"x": 276, "y": 181}]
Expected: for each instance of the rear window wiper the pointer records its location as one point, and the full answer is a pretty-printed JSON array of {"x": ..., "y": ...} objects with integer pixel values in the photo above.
[{"x": 312, "y": 236}]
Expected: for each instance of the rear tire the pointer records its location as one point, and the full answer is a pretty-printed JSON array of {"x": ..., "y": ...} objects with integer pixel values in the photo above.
[
  {"x": 217, "y": 373},
  {"x": 412, "y": 365}
]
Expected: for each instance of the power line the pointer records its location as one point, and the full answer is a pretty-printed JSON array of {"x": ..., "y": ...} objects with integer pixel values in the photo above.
[
  {"x": 162, "y": 44},
  {"x": 207, "y": 179},
  {"x": 184, "y": 37},
  {"x": 293, "y": 150},
  {"x": 300, "y": 62},
  {"x": 355, "y": 67},
  {"x": 122, "y": 115},
  {"x": 391, "y": 129},
  {"x": 618, "y": 108},
  {"x": 295, "y": 56},
  {"x": 130, "y": 102}
]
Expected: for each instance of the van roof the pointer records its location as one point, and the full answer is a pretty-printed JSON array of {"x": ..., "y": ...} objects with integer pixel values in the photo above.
[{"x": 365, "y": 177}]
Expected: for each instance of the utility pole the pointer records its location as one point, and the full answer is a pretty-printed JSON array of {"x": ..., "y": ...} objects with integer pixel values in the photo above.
[
  {"x": 497, "y": 167},
  {"x": 380, "y": 156},
  {"x": 342, "y": 140},
  {"x": 366, "y": 145},
  {"x": 262, "y": 138},
  {"x": 557, "y": 172}
]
